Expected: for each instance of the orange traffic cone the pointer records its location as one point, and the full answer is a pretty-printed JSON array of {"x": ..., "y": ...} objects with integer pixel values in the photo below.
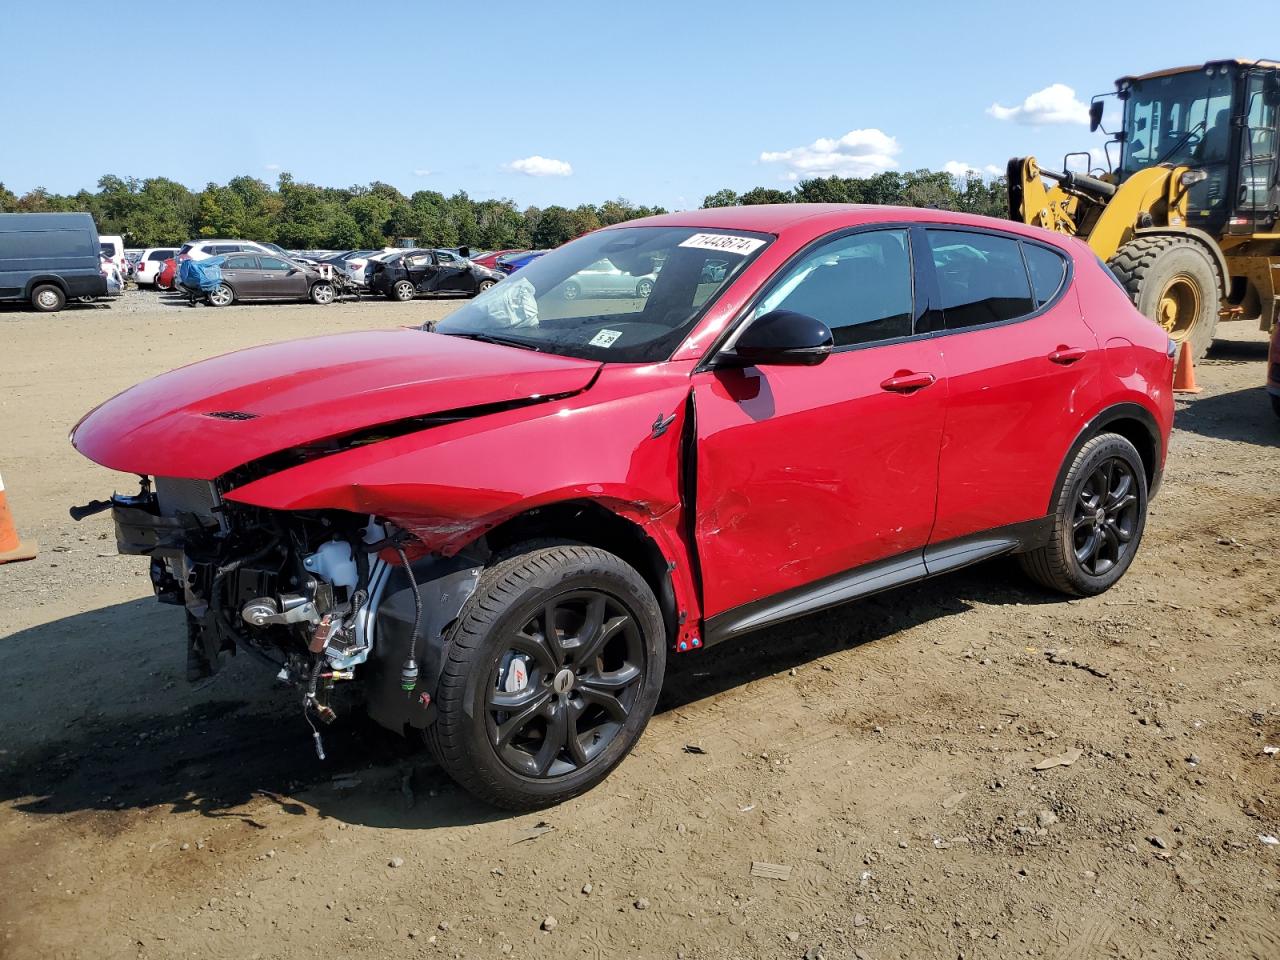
[
  {"x": 1184, "y": 374},
  {"x": 12, "y": 548}
]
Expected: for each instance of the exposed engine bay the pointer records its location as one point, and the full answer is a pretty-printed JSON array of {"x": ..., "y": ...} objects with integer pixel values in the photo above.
[{"x": 324, "y": 596}]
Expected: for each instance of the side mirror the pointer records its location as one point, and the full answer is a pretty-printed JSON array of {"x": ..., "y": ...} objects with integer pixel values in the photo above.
[
  {"x": 1095, "y": 116},
  {"x": 782, "y": 337}
]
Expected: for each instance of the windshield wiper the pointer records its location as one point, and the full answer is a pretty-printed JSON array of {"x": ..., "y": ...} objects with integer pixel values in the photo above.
[{"x": 490, "y": 338}]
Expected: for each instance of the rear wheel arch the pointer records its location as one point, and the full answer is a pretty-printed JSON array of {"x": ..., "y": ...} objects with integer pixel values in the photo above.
[
  {"x": 1129, "y": 420},
  {"x": 52, "y": 280}
]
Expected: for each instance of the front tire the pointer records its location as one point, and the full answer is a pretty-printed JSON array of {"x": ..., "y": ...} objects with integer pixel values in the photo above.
[
  {"x": 47, "y": 298},
  {"x": 644, "y": 288},
  {"x": 322, "y": 293},
  {"x": 554, "y": 669},
  {"x": 1098, "y": 520},
  {"x": 1174, "y": 282},
  {"x": 484, "y": 285}
]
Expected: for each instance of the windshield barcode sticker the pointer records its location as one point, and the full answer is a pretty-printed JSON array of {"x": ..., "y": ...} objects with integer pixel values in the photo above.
[
  {"x": 605, "y": 338},
  {"x": 723, "y": 242}
]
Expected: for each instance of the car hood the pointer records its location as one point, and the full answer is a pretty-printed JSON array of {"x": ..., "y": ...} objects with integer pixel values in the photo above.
[{"x": 203, "y": 420}]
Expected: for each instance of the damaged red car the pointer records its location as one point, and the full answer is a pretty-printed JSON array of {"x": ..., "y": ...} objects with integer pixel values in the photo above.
[{"x": 502, "y": 525}]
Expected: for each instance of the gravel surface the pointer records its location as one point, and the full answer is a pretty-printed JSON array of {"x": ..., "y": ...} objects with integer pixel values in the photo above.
[{"x": 886, "y": 752}]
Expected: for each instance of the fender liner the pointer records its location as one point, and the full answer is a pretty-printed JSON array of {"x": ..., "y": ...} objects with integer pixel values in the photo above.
[
  {"x": 445, "y": 585},
  {"x": 1121, "y": 411}
]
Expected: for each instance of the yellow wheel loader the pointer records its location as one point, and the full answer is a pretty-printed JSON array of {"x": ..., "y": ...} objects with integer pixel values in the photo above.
[{"x": 1188, "y": 214}]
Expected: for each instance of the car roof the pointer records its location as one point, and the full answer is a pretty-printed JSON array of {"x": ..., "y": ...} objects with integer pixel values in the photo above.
[{"x": 816, "y": 219}]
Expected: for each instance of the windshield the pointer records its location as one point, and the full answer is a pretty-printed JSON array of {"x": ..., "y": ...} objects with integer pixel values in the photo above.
[
  {"x": 627, "y": 295},
  {"x": 1181, "y": 119}
]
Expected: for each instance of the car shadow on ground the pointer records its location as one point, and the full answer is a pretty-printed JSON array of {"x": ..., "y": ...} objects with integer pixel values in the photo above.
[{"x": 219, "y": 756}]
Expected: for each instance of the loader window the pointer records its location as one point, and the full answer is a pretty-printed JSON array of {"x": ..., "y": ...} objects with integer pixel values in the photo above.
[
  {"x": 981, "y": 277},
  {"x": 1181, "y": 118}
]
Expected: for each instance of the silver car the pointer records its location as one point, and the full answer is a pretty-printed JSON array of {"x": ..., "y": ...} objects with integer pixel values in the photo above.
[{"x": 603, "y": 279}]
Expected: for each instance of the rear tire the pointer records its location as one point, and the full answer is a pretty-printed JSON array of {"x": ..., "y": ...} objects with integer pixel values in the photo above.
[
  {"x": 222, "y": 296},
  {"x": 555, "y": 726},
  {"x": 1173, "y": 281},
  {"x": 402, "y": 291},
  {"x": 47, "y": 298},
  {"x": 1098, "y": 519}
]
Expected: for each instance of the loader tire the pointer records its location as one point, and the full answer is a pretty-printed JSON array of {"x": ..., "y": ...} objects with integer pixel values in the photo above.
[{"x": 1175, "y": 282}]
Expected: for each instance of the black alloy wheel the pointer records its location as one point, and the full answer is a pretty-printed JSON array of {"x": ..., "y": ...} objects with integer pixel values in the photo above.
[
  {"x": 1098, "y": 515},
  {"x": 578, "y": 662},
  {"x": 1105, "y": 517},
  {"x": 553, "y": 669}
]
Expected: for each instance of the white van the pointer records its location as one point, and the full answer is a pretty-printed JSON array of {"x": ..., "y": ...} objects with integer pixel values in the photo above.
[{"x": 113, "y": 249}]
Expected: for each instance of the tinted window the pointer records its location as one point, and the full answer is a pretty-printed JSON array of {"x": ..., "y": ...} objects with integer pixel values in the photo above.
[
  {"x": 859, "y": 286},
  {"x": 239, "y": 263},
  {"x": 160, "y": 255},
  {"x": 1047, "y": 269},
  {"x": 981, "y": 277},
  {"x": 45, "y": 243},
  {"x": 274, "y": 263}
]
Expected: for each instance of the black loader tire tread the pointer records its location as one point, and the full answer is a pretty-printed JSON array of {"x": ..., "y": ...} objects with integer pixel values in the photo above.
[
  {"x": 1133, "y": 262},
  {"x": 511, "y": 574},
  {"x": 1048, "y": 565}
]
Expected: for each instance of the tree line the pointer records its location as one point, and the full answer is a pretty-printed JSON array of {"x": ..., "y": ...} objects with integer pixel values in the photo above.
[{"x": 159, "y": 212}]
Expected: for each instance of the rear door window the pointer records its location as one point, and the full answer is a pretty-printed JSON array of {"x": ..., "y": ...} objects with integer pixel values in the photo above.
[{"x": 981, "y": 277}]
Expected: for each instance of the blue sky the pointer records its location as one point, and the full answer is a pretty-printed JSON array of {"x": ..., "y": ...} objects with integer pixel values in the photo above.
[{"x": 659, "y": 102}]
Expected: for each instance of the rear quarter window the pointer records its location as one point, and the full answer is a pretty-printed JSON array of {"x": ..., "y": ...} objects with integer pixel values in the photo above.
[{"x": 1048, "y": 270}]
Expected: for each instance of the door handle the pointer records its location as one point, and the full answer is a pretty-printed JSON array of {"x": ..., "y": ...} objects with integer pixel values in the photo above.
[
  {"x": 1066, "y": 355},
  {"x": 908, "y": 382}
]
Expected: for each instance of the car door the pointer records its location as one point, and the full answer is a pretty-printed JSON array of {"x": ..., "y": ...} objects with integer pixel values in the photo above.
[
  {"x": 1023, "y": 370},
  {"x": 281, "y": 280},
  {"x": 419, "y": 269},
  {"x": 241, "y": 272},
  {"x": 453, "y": 274},
  {"x": 807, "y": 473}
]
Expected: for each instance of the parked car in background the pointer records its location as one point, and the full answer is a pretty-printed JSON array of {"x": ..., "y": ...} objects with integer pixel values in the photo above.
[
  {"x": 251, "y": 275},
  {"x": 167, "y": 274},
  {"x": 490, "y": 259},
  {"x": 352, "y": 263},
  {"x": 200, "y": 249},
  {"x": 150, "y": 261},
  {"x": 49, "y": 258},
  {"x": 112, "y": 247},
  {"x": 603, "y": 279},
  {"x": 404, "y": 276},
  {"x": 882, "y": 395},
  {"x": 515, "y": 261}
]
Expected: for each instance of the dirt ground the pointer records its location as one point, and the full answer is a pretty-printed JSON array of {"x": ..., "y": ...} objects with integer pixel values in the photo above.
[{"x": 883, "y": 751}]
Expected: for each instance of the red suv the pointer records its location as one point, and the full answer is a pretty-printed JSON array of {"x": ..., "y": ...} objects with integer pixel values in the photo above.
[{"x": 501, "y": 526}]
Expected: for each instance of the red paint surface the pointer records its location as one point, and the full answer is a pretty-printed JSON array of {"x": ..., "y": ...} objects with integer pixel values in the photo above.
[{"x": 801, "y": 472}]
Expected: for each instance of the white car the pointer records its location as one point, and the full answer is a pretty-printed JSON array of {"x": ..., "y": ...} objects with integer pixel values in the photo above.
[
  {"x": 112, "y": 248},
  {"x": 203, "y": 249},
  {"x": 149, "y": 264}
]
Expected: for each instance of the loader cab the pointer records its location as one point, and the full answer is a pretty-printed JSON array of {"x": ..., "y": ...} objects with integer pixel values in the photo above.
[{"x": 1219, "y": 119}]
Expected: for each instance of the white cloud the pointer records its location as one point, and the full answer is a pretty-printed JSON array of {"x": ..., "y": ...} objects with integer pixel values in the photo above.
[
  {"x": 858, "y": 153},
  {"x": 423, "y": 172},
  {"x": 1056, "y": 103},
  {"x": 271, "y": 166},
  {"x": 537, "y": 166},
  {"x": 958, "y": 168}
]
